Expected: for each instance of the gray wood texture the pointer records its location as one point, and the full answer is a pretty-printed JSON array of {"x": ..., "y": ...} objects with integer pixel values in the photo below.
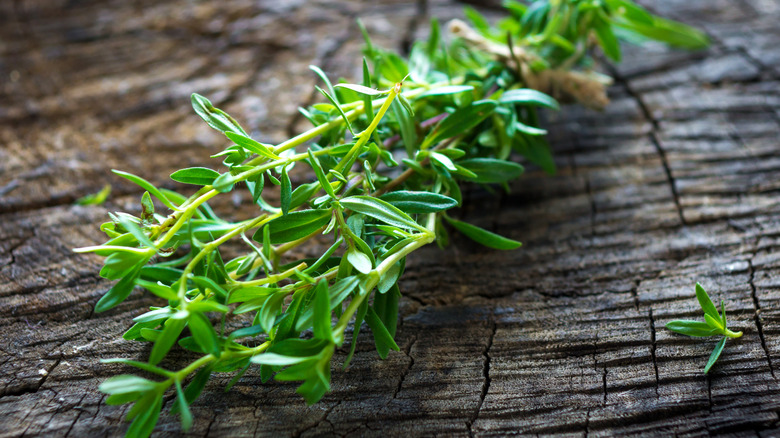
[{"x": 676, "y": 182}]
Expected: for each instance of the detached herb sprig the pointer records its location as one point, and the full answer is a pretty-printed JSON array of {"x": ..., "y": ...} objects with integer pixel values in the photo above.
[
  {"x": 715, "y": 324},
  {"x": 388, "y": 156}
]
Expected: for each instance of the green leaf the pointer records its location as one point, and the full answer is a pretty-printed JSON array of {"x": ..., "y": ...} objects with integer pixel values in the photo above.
[
  {"x": 161, "y": 273},
  {"x": 184, "y": 408},
  {"x": 406, "y": 104},
  {"x": 155, "y": 315},
  {"x": 670, "y": 32},
  {"x": 715, "y": 355},
  {"x": 485, "y": 237},
  {"x": 294, "y": 225},
  {"x": 607, "y": 39},
  {"x": 224, "y": 183},
  {"x": 315, "y": 164},
  {"x": 195, "y": 387},
  {"x": 446, "y": 90},
  {"x": 380, "y": 210},
  {"x": 303, "y": 193},
  {"x": 491, "y": 170},
  {"x": 477, "y": 19},
  {"x": 338, "y": 107},
  {"x": 208, "y": 283},
  {"x": 120, "y": 399},
  {"x": 631, "y": 11},
  {"x": 382, "y": 337},
  {"x": 146, "y": 418},
  {"x": 322, "y": 317},
  {"x": 406, "y": 126},
  {"x": 528, "y": 96},
  {"x": 386, "y": 307},
  {"x": 119, "y": 264},
  {"x": 168, "y": 337},
  {"x": 359, "y": 317},
  {"x": 277, "y": 359},
  {"x": 714, "y": 323},
  {"x": 246, "y": 332},
  {"x": 119, "y": 292},
  {"x": 204, "y": 333},
  {"x": 286, "y": 192},
  {"x": 462, "y": 120},
  {"x": 136, "y": 231},
  {"x": 158, "y": 289},
  {"x": 95, "y": 198},
  {"x": 146, "y": 185},
  {"x": 691, "y": 328},
  {"x": 360, "y": 89},
  {"x": 271, "y": 307},
  {"x": 359, "y": 260},
  {"x": 324, "y": 78},
  {"x": 367, "y": 102},
  {"x": 255, "y": 185},
  {"x": 195, "y": 175},
  {"x": 443, "y": 160},
  {"x": 252, "y": 145},
  {"x": 706, "y": 303},
  {"x": 340, "y": 290},
  {"x": 536, "y": 150},
  {"x": 419, "y": 202},
  {"x": 215, "y": 117},
  {"x": 393, "y": 67},
  {"x": 126, "y": 383},
  {"x": 433, "y": 38},
  {"x": 147, "y": 208},
  {"x": 389, "y": 278}
]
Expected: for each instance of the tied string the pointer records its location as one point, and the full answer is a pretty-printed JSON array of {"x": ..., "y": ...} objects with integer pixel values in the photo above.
[{"x": 589, "y": 88}]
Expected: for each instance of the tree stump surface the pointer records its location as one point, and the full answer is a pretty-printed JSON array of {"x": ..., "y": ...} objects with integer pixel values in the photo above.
[{"x": 677, "y": 181}]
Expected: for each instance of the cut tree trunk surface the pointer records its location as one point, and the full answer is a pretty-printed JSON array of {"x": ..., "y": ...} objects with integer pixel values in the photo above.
[{"x": 676, "y": 182}]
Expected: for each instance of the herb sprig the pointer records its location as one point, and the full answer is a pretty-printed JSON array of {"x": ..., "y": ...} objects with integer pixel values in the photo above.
[
  {"x": 715, "y": 324},
  {"x": 388, "y": 157}
]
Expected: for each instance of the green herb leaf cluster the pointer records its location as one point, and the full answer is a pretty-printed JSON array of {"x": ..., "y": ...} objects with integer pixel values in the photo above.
[
  {"x": 715, "y": 324},
  {"x": 388, "y": 156}
]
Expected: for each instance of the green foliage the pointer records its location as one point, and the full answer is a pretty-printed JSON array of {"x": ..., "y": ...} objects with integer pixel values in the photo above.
[
  {"x": 95, "y": 198},
  {"x": 388, "y": 156},
  {"x": 715, "y": 325}
]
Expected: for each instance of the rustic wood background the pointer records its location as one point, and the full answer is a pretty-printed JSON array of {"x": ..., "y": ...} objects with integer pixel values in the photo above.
[{"x": 677, "y": 181}]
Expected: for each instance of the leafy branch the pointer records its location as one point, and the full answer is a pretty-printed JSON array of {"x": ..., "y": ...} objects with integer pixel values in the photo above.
[
  {"x": 388, "y": 155},
  {"x": 714, "y": 324}
]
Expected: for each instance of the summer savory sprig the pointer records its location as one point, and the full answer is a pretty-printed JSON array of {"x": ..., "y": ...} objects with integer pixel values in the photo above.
[
  {"x": 714, "y": 324},
  {"x": 388, "y": 156}
]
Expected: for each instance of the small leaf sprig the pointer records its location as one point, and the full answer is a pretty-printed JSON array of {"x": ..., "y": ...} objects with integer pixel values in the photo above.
[
  {"x": 715, "y": 324},
  {"x": 388, "y": 157}
]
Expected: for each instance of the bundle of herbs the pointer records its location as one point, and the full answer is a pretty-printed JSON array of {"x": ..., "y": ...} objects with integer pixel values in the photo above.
[{"x": 388, "y": 157}]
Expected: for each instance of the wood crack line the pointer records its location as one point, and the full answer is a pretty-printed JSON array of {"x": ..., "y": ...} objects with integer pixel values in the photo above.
[
  {"x": 652, "y": 350},
  {"x": 485, "y": 375},
  {"x": 757, "y": 314},
  {"x": 654, "y": 139},
  {"x": 408, "y": 353},
  {"x": 30, "y": 389}
]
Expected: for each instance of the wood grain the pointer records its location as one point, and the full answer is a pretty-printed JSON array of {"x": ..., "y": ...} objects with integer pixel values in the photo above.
[{"x": 676, "y": 182}]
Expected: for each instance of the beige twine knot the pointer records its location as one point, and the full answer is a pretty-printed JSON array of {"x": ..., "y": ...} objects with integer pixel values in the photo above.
[{"x": 586, "y": 87}]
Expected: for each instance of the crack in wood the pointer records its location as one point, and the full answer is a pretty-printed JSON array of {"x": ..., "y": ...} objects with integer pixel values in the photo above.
[
  {"x": 757, "y": 316},
  {"x": 31, "y": 389},
  {"x": 408, "y": 352},
  {"x": 485, "y": 375},
  {"x": 654, "y": 139},
  {"x": 653, "y": 350}
]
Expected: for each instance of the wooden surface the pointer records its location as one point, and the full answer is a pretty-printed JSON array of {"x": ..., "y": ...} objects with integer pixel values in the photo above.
[{"x": 676, "y": 182}]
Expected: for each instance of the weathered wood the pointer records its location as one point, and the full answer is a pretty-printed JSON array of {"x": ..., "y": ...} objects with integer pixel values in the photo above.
[{"x": 676, "y": 182}]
